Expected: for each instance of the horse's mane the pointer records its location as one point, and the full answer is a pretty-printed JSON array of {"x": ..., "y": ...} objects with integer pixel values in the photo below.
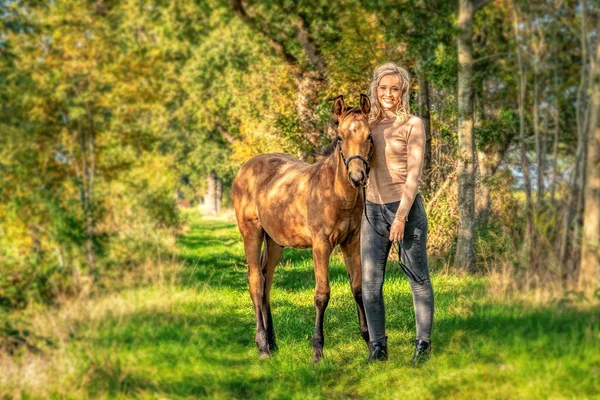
[
  {"x": 353, "y": 111},
  {"x": 329, "y": 149}
]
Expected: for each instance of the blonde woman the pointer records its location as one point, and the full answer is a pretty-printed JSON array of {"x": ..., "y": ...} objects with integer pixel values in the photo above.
[{"x": 394, "y": 211}]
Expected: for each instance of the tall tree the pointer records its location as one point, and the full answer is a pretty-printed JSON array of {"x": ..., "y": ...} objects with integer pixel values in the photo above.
[
  {"x": 465, "y": 171},
  {"x": 425, "y": 114},
  {"x": 589, "y": 275},
  {"x": 573, "y": 220},
  {"x": 522, "y": 106},
  {"x": 538, "y": 48}
]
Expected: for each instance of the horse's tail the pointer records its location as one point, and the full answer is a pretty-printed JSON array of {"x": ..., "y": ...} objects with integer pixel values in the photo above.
[{"x": 264, "y": 256}]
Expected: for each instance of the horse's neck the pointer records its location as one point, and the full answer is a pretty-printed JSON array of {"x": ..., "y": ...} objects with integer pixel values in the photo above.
[{"x": 341, "y": 185}]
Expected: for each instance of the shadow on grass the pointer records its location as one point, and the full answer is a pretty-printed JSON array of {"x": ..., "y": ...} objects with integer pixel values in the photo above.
[{"x": 208, "y": 237}]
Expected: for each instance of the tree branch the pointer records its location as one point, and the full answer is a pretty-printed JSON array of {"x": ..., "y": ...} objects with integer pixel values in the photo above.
[
  {"x": 225, "y": 133},
  {"x": 441, "y": 190},
  {"x": 311, "y": 49},
  {"x": 491, "y": 56},
  {"x": 258, "y": 26}
]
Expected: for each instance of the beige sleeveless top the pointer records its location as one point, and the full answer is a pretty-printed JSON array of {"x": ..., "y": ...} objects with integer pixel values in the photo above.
[{"x": 397, "y": 162}]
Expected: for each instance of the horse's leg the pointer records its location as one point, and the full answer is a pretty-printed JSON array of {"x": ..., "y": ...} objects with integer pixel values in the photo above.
[
  {"x": 270, "y": 258},
  {"x": 253, "y": 237},
  {"x": 351, "y": 252},
  {"x": 321, "y": 252}
]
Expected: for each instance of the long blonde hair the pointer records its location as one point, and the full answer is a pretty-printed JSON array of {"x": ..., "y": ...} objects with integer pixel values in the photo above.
[{"x": 403, "y": 108}]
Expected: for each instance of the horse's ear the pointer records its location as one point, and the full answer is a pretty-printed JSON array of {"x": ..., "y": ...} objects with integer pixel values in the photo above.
[
  {"x": 365, "y": 104},
  {"x": 338, "y": 105}
]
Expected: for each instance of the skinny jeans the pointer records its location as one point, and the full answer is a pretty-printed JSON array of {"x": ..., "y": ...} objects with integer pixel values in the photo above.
[{"x": 375, "y": 247}]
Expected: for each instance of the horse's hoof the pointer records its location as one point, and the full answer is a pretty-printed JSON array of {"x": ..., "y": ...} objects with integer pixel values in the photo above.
[
  {"x": 318, "y": 355},
  {"x": 273, "y": 348},
  {"x": 264, "y": 355}
]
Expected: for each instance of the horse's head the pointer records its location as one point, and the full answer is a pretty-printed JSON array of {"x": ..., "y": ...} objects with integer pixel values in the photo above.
[{"x": 354, "y": 140}]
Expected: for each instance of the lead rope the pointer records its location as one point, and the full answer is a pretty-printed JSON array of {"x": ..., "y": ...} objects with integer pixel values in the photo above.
[{"x": 395, "y": 246}]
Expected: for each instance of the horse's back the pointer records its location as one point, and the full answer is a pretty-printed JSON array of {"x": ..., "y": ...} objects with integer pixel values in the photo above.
[
  {"x": 269, "y": 164},
  {"x": 272, "y": 189},
  {"x": 258, "y": 172}
]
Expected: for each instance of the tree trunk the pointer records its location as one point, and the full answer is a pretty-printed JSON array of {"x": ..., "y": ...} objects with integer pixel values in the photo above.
[
  {"x": 545, "y": 125},
  {"x": 580, "y": 187},
  {"x": 425, "y": 113},
  {"x": 489, "y": 162},
  {"x": 524, "y": 160},
  {"x": 556, "y": 138},
  {"x": 574, "y": 215},
  {"x": 307, "y": 99},
  {"x": 91, "y": 215},
  {"x": 465, "y": 255},
  {"x": 538, "y": 136},
  {"x": 482, "y": 204},
  {"x": 310, "y": 81},
  {"x": 589, "y": 273},
  {"x": 570, "y": 212},
  {"x": 211, "y": 203},
  {"x": 86, "y": 189},
  {"x": 219, "y": 195},
  {"x": 483, "y": 168}
]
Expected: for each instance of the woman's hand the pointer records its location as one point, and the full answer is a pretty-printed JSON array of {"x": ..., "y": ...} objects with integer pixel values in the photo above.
[{"x": 397, "y": 230}]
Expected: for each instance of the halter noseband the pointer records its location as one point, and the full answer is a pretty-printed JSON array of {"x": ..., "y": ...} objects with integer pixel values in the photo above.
[{"x": 366, "y": 161}]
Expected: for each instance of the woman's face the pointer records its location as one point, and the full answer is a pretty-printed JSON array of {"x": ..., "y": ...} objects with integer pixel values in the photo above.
[{"x": 389, "y": 91}]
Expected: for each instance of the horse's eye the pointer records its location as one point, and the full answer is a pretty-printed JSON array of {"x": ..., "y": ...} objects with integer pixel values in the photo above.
[{"x": 339, "y": 138}]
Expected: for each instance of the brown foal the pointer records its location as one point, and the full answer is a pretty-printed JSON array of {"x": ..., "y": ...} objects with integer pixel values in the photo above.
[{"x": 284, "y": 202}]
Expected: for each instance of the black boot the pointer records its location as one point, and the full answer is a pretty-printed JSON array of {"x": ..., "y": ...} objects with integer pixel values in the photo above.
[
  {"x": 422, "y": 350},
  {"x": 378, "y": 351}
]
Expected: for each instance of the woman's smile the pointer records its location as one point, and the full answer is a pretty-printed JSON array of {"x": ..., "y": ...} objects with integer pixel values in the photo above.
[{"x": 389, "y": 92}]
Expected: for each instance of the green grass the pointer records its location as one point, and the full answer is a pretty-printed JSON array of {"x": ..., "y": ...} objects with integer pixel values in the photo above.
[{"x": 195, "y": 338}]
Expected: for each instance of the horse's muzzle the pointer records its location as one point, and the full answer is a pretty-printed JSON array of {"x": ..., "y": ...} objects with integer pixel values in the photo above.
[{"x": 357, "y": 180}]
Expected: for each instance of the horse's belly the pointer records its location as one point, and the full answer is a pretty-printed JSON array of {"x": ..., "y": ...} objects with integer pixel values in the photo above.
[
  {"x": 296, "y": 242},
  {"x": 286, "y": 229}
]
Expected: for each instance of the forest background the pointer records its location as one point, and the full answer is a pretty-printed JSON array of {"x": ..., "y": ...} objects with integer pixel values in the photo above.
[{"x": 116, "y": 115}]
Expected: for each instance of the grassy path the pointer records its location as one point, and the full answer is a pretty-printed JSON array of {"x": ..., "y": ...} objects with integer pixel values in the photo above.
[{"x": 194, "y": 338}]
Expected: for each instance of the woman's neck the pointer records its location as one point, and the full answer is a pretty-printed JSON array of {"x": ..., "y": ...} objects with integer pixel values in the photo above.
[{"x": 388, "y": 114}]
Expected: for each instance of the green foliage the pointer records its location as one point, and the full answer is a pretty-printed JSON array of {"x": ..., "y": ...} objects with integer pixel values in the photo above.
[
  {"x": 497, "y": 129},
  {"x": 442, "y": 219},
  {"x": 82, "y": 129},
  {"x": 444, "y": 67},
  {"x": 425, "y": 32}
]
